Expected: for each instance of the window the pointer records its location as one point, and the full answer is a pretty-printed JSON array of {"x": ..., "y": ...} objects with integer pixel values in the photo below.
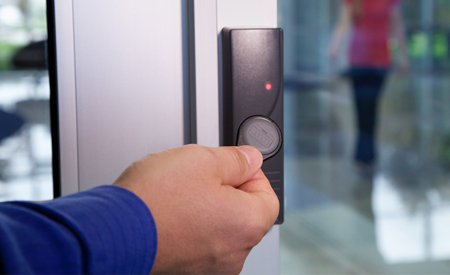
[{"x": 25, "y": 142}]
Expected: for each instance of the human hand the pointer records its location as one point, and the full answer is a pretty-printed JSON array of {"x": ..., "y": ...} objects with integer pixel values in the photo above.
[
  {"x": 333, "y": 51},
  {"x": 211, "y": 206},
  {"x": 403, "y": 65}
]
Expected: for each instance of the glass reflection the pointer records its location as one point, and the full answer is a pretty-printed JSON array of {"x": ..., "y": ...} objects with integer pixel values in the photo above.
[
  {"x": 25, "y": 143},
  {"x": 342, "y": 218}
]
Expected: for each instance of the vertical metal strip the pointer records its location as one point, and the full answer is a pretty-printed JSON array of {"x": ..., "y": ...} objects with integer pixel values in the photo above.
[
  {"x": 204, "y": 72},
  {"x": 192, "y": 102},
  {"x": 66, "y": 94},
  {"x": 54, "y": 118}
]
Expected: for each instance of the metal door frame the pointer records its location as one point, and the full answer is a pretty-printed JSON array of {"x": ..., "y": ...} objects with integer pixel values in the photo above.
[{"x": 203, "y": 24}]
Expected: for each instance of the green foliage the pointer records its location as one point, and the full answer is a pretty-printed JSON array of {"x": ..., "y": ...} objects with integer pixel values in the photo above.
[
  {"x": 7, "y": 52},
  {"x": 418, "y": 45},
  {"x": 440, "y": 45}
]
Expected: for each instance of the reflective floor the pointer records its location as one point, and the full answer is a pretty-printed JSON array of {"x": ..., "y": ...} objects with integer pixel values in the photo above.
[{"x": 392, "y": 219}]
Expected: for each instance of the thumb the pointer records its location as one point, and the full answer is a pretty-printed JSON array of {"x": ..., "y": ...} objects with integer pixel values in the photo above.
[{"x": 237, "y": 164}]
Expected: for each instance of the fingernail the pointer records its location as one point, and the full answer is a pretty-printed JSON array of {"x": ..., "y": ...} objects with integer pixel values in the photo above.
[{"x": 252, "y": 154}]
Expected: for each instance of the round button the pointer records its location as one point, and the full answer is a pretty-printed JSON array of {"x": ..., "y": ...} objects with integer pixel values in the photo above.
[{"x": 261, "y": 133}]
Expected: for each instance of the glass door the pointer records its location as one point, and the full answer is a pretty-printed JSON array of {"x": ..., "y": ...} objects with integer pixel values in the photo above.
[
  {"x": 25, "y": 140},
  {"x": 367, "y": 137}
]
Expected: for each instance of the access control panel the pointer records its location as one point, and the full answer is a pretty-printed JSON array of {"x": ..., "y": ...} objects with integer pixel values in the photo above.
[{"x": 253, "y": 97}]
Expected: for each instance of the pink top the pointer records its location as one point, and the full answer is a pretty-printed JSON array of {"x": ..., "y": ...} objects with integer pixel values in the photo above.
[{"x": 371, "y": 31}]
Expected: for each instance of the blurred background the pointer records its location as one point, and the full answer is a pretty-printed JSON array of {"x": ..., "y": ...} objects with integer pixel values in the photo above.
[
  {"x": 25, "y": 142},
  {"x": 391, "y": 217}
]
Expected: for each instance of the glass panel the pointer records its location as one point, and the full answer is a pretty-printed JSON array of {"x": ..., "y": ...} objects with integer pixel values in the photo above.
[
  {"x": 25, "y": 142},
  {"x": 367, "y": 137}
]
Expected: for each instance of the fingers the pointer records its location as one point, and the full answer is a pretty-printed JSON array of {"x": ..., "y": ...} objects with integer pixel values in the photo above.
[
  {"x": 240, "y": 168},
  {"x": 185, "y": 188},
  {"x": 258, "y": 182},
  {"x": 253, "y": 156},
  {"x": 236, "y": 165},
  {"x": 263, "y": 194},
  {"x": 226, "y": 165}
]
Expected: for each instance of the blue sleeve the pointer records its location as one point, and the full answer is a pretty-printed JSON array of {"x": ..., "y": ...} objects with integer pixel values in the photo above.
[{"x": 105, "y": 230}]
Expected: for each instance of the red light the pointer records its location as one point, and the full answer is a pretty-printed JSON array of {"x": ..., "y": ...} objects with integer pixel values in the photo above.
[{"x": 268, "y": 86}]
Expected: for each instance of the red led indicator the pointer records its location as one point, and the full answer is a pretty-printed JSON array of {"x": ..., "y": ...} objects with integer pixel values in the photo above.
[{"x": 268, "y": 86}]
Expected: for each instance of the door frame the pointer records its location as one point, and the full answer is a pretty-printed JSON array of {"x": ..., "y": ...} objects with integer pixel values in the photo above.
[{"x": 204, "y": 21}]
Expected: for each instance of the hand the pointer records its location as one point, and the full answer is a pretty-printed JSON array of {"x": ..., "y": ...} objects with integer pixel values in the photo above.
[
  {"x": 211, "y": 206},
  {"x": 403, "y": 66},
  {"x": 333, "y": 51}
]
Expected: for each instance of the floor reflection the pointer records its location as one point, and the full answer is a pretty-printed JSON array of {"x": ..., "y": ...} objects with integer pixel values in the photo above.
[
  {"x": 392, "y": 219},
  {"x": 410, "y": 203}
]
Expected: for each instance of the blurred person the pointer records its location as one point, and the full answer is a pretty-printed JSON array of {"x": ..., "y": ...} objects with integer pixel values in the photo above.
[{"x": 372, "y": 23}]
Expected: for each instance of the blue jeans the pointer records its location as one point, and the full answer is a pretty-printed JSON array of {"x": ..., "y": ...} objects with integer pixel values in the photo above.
[{"x": 367, "y": 87}]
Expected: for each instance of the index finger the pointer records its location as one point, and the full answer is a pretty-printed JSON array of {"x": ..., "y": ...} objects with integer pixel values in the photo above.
[
  {"x": 258, "y": 182},
  {"x": 262, "y": 197}
]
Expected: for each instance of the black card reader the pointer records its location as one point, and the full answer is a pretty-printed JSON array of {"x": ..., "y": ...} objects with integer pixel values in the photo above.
[{"x": 253, "y": 97}]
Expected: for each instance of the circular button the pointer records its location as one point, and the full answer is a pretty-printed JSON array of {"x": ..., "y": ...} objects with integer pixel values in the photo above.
[{"x": 261, "y": 133}]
